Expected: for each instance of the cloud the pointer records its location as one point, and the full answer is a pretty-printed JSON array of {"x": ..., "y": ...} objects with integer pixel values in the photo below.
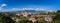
[
  {"x": 37, "y": 9},
  {"x": 0, "y": 9},
  {"x": 3, "y": 5},
  {"x": 16, "y": 9},
  {"x": 40, "y": 9},
  {"x": 50, "y": 10}
]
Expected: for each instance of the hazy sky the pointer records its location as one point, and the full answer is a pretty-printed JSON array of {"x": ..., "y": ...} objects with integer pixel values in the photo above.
[{"x": 48, "y": 5}]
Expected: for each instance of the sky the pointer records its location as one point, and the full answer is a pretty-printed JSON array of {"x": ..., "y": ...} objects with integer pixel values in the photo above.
[{"x": 14, "y": 5}]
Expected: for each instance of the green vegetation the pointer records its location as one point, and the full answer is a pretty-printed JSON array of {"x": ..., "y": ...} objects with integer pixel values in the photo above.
[{"x": 56, "y": 17}]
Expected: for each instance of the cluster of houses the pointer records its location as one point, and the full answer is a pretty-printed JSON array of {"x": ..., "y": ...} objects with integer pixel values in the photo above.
[{"x": 47, "y": 16}]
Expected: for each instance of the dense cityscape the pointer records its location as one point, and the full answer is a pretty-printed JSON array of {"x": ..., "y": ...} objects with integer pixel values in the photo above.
[{"x": 28, "y": 17}]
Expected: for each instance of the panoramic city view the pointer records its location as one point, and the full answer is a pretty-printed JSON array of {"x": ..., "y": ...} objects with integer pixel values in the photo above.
[{"x": 29, "y": 11}]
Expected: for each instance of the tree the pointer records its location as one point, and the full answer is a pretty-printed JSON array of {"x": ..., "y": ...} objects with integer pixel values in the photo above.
[{"x": 57, "y": 17}]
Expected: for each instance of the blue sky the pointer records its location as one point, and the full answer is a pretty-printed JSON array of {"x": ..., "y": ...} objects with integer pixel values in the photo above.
[{"x": 49, "y": 5}]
